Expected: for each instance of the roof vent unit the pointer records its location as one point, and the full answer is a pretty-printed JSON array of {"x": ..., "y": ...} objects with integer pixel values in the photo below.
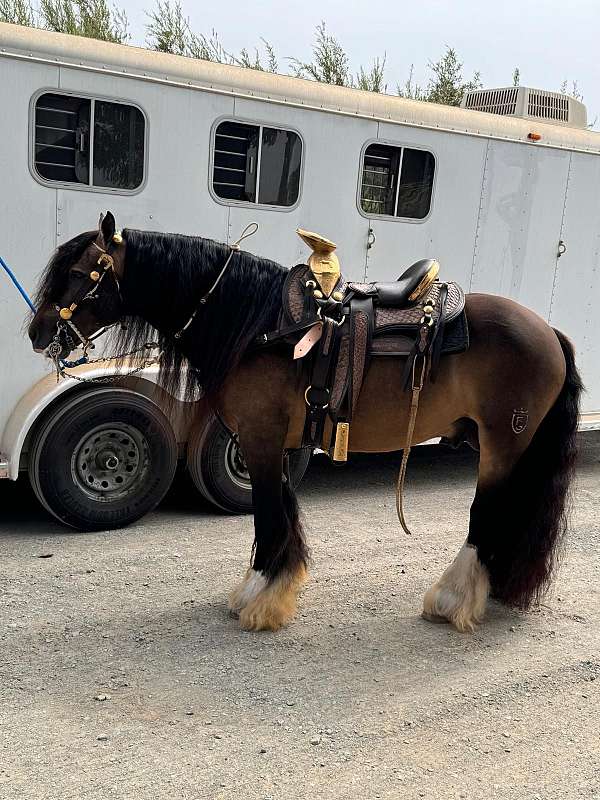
[{"x": 520, "y": 101}]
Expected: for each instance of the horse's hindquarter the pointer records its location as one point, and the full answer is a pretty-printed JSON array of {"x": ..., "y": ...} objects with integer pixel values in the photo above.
[{"x": 514, "y": 362}]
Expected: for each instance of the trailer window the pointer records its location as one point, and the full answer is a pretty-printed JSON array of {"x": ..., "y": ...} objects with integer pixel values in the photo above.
[
  {"x": 397, "y": 181},
  {"x": 87, "y": 141},
  {"x": 256, "y": 164}
]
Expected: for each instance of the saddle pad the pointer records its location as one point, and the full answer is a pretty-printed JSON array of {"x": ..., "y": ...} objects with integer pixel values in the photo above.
[{"x": 455, "y": 340}]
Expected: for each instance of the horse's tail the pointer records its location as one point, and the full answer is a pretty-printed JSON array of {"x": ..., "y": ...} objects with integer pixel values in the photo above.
[{"x": 522, "y": 552}]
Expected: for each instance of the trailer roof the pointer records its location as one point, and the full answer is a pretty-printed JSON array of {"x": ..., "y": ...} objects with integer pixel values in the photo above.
[{"x": 125, "y": 60}]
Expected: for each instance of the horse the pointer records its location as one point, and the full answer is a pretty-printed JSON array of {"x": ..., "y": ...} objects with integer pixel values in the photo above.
[{"x": 513, "y": 395}]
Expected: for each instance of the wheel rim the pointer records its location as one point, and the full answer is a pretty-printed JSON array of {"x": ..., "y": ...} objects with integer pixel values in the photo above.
[
  {"x": 110, "y": 462},
  {"x": 236, "y": 466}
]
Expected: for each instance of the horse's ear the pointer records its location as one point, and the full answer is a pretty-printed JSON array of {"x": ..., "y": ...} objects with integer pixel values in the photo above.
[{"x": 107, "y": 227}]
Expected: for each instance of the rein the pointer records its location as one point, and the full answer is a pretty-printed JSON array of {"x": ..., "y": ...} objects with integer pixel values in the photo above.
[{"x": 248, "y": 231}]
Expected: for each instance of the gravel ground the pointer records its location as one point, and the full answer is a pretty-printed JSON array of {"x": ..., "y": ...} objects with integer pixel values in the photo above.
[{"x": 122, "y": 676}]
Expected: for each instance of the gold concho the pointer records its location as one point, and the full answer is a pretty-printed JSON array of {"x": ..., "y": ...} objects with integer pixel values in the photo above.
[
  {"x": 94, "y": 275},
  {"x": 117, "y": 237},
  {"x": 65, "y": 313},
  {"x": 323, "y": 262}
]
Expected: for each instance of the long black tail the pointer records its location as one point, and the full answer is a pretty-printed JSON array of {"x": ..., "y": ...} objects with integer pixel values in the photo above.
[{"x": 526, "y": 518}]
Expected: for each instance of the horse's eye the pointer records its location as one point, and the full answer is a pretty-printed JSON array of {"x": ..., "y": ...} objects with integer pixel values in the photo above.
[{"x": 77, "y": 276}]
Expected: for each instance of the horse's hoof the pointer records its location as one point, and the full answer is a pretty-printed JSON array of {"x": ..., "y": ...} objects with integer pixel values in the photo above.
[
  {"x": 460, "y": 595},
  {"x": 275, "y": 604},
  {"x": 251, "y": 585},
  {"x": 434, "y": 618}
]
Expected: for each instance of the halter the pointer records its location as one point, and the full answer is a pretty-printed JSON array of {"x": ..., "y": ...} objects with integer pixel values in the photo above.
[{"x": 107, "y": 264}]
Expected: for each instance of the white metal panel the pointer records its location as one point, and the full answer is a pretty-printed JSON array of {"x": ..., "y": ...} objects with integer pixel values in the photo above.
[
  {"x": 519, "y": 223},
  {"x": 331, "y": 150},
  {"x": 449, "y": 231},
  {"x": 27, "y": 231},
  {"x": 577, "y": 280},
  {"x": 175, "y": 197}
]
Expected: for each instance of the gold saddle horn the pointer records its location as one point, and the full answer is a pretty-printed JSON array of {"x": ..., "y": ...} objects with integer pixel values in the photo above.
[{"x": 323, "y": 262}]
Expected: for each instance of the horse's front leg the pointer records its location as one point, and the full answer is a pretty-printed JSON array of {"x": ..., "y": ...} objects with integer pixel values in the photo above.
[{"x": 266, "y": 598}]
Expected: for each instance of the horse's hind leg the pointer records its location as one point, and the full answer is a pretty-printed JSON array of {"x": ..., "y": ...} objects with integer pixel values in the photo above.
[
  {"x": 460, "y": 595},
  {"x": 266, "y": 597}
]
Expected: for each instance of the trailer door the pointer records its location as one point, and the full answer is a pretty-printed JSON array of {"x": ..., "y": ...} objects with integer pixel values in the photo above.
[
  {"x": 520, "y": 215},
  {"x": 577, "y": 272}
]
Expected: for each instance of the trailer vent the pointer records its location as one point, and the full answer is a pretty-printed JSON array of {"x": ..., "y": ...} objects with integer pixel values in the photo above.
[
  {"x": 545, "y": 105},
  {"x": 519, "y": 101},
  {"x": 494, "y": 101}
]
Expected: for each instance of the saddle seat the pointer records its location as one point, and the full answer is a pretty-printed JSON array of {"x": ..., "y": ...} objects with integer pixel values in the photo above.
[{"x": 410, "y": 287}]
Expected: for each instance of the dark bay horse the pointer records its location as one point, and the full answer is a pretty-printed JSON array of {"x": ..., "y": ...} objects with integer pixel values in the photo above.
[{"x": 514, "y": 395}]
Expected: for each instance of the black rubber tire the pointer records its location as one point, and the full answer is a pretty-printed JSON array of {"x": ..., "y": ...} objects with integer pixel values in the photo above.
[
  {"x": 209, "y": 466},
  {"x": 57, "y": 447}
]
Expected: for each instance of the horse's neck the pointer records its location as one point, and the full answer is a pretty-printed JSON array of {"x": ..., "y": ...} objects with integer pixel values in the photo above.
[{"x": 156, "y": 297}]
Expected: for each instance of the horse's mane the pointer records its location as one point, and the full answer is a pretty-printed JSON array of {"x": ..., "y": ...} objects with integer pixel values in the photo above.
[
  {"x": 165, "y": 277},
  {"x": 54, "y": 278}
]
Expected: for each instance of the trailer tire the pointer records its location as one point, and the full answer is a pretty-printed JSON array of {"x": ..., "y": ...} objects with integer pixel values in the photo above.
[
  {"x": 216, "y": 466},
  {"x": 102, "y": 459}
]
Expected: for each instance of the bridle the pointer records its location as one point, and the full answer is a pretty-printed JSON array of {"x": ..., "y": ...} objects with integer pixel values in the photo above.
[{"x": 106, "y": 264}]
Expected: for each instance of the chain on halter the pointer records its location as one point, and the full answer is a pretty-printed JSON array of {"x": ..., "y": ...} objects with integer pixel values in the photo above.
[{"x": 248, "y": 231}]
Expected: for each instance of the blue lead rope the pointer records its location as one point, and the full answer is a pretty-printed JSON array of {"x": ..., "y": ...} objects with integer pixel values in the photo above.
[
  {"x": 25, "y": 296},
  {"x": 15, "y": 280}
]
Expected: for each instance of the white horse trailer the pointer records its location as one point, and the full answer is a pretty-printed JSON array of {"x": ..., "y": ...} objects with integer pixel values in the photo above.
[{"x": 508, "y": 201}]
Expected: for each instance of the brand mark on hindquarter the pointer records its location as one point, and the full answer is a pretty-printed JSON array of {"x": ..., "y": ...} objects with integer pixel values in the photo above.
[{"x": 520, "y": 419}]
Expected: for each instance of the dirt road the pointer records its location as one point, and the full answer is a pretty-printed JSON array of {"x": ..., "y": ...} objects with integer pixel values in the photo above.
[{"x": 121, "y": 675}]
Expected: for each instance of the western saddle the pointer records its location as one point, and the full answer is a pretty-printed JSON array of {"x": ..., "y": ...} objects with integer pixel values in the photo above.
[{"x": 343, "y": 325}]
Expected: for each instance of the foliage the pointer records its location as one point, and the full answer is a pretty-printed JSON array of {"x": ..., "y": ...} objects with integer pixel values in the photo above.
[
  {"x": 573, "y": 92},
  {"x": 446, "y": 86},
  {"x": 91, "y": 18},
  {"x": 169, "y": 31},
  {"x": 19, "y": 12},
  {"x": 330, "y": 64}
]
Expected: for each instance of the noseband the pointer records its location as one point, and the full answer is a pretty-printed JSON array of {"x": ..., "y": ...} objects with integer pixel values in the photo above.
[{"x": 106, "y": 263}]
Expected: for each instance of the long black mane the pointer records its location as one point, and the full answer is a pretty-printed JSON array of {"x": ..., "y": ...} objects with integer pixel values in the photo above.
[{"x": 165, "y": 276}]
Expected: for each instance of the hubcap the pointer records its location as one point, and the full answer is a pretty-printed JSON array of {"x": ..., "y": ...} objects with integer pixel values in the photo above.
[
  {"x": 110, "y": 462},
  {"x": 236, "y": 466}
]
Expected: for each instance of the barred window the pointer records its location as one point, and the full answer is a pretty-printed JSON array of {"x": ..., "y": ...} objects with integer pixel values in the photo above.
[
  {"x": 397, "y": 181},
  {"x": 86, "y": 141},
  {"x": 256, "y": 164}
]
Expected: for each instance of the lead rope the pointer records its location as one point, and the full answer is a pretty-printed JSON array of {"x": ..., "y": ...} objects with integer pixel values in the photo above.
[
  {"x": 248, "y": 231},
  {"x": 414, "y": 408}
]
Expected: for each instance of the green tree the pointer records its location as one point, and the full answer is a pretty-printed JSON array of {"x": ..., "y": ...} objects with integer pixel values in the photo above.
[
  {"x": 18, "y": 12},
  {"x": 410, "y": 89},
  {"x": 169, "y": 31},
  {"x": 446, "y": 86},
  {"x": 330, "y": 64},
  {"x": 91, "y": 18}
]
